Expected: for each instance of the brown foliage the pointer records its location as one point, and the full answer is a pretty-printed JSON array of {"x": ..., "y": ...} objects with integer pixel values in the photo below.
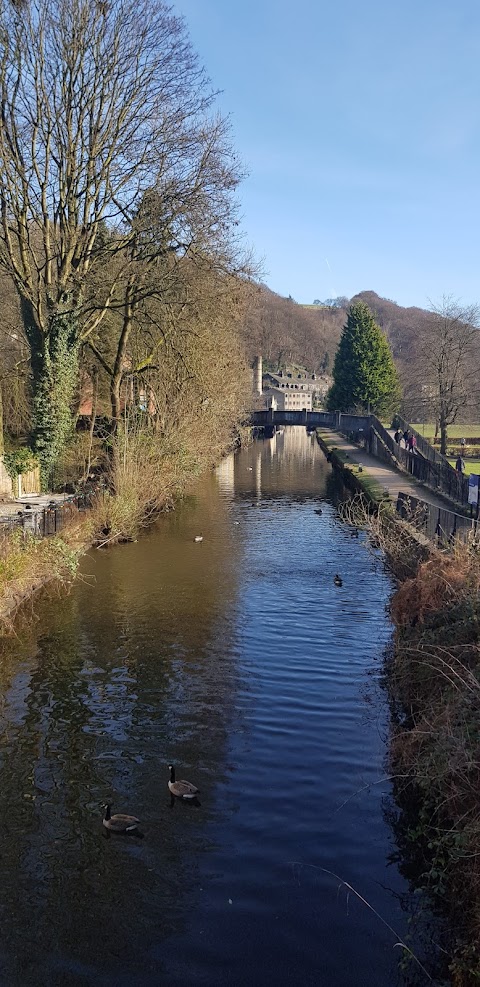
[
  {"x": 284, "y": 332},
  {"x": 435, "y": 675},
  {"x": 438, "y": 583}
]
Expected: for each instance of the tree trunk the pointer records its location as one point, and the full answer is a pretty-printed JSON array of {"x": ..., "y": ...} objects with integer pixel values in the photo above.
[
  {"x": 115, "y": 385},
  {"x": 55, "y": 378},
  {"x": 121, "y": 354},
  {"x": 1, "y": 422},
  {"x": 443, "y": 437}
]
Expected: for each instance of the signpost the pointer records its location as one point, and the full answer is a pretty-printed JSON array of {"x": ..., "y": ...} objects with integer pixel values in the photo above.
[{"x": 474, "y": 491}]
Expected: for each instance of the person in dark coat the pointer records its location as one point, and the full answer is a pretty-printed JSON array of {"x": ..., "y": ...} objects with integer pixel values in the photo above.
[{"x": 460, "y": 465}]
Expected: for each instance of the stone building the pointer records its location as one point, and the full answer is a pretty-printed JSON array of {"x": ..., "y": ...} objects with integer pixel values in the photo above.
[{"x": 294, "y": 398}]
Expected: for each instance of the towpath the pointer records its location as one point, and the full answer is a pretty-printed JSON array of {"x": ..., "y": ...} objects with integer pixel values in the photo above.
[{"x": 391, "y": 480}]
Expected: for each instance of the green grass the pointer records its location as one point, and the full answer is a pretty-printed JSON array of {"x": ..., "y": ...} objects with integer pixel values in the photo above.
[
  {"x": 469, "y": 467},
  {"x": 365, "y": 481},
  {"x": 454, "y": 431}
]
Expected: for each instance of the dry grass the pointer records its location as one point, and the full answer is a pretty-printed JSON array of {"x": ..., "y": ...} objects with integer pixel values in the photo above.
[
  {"x": 150, "y": 468},
  {"x": 28, "y": 563},
  {"x": 440, "y": 584},
  {"x": 78, "y": 457},
  {"x": 434, "y": 683},
  {"x": 404, "y": 549},
  {"x": 435, "y": 677}
]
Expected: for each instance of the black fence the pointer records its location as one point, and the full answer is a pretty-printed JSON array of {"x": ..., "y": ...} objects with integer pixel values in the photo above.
[
  {"x": 440, "y": 526},
  {"x": 433, "y": 470},
  {"x": 44, "y": 521},
  {"x": 423, "y": 445}
]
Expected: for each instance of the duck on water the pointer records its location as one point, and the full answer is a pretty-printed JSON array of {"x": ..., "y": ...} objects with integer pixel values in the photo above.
[
  {"x": 182, "y": 789},
  {"x": 119, "y": 822}
]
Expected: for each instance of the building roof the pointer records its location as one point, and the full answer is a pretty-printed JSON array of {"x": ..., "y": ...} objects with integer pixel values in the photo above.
[{"x": 285, "y": 384}]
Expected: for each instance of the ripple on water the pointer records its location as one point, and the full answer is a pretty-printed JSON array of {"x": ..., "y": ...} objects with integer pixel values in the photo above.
[{"x": 239, "y": 661}]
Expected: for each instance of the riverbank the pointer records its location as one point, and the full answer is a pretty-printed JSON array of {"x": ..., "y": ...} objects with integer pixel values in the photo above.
[
  {"x": 433, "y": 682},
  {"x": 28, "y": 563},
  {"x": 433, "y": 679},
  {"x": 376, "y": 479},
  {"x": 145, "y": 487},
  {"x": 353, "y": 473}
]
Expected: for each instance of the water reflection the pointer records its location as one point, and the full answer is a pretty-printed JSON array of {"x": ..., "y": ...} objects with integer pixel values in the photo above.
[{"x": 238, "y": 660}]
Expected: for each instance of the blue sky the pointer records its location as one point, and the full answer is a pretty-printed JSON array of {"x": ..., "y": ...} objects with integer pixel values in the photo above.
[{"x": 359, "y": 124}]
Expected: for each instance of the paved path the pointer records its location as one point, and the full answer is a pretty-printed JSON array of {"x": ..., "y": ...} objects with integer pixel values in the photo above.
[{"x": 386, "y": 476}]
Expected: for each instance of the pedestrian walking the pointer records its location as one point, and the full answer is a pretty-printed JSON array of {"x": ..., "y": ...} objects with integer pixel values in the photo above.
[
  {"x": 398, "y": 435},
  {"x": 460, "y": 465},
  {"x": 412, "y": 442},
  {"x": 406, "y": 436}
]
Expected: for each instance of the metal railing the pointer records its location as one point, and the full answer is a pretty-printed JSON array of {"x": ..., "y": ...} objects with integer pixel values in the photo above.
[
  {"x": 45, "y": 521},
  {"x": 439, "y": 525},
  {"x": 433, "y": 469},
  {"x": 329, "y": 419},
  {"x": 423, "y": 445},
  {"x": 425, "y": 464}
]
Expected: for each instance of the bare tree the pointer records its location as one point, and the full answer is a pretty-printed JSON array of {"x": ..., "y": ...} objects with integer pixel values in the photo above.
[
  {"x": 447, "y": 367},
  {"x": 104, "y": 109}
]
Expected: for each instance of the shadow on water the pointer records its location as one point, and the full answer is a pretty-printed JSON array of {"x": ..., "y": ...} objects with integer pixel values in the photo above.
[{"x": 238, "y": 660}]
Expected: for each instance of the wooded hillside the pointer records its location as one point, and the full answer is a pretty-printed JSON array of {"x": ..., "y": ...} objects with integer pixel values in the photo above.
[{"x": 285, "y": 332}]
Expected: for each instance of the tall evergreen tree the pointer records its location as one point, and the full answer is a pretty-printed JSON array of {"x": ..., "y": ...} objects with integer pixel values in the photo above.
[{"x": 364, "y": 373}]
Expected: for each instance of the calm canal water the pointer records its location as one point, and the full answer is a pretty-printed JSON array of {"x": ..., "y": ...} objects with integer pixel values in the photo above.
[{"x": 239, "y": 660}]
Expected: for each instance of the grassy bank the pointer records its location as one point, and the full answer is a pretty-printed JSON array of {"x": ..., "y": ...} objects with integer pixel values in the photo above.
[
  {"x": 353, "y": 475},
  {"x": 434, "y": 680},
  {"x": 28, "y": 563},
  {"x": 146, "y": 475}
]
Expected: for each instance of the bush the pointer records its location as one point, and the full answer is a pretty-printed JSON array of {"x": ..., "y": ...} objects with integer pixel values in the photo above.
[
  {"x": 19, "y": 461},
  {"x": 435, "y": 677}
]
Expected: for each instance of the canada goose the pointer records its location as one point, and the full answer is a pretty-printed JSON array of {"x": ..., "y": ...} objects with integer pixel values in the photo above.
[
  {"x": 182, "y": 789},
  {"x": 337, "y": 580},
  {"x": 198, "y": 538},
  {"x": 318, "y": 510},
  {"x": 119, "y": 823}
]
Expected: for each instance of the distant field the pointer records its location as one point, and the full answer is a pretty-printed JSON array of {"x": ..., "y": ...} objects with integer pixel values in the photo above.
[
  {"x": 454, "y": 431},
  {"x": 472, "y": 467}
]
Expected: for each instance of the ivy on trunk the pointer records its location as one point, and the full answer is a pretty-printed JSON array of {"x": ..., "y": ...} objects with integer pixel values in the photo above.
[{"x": 55, "y": 356}]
